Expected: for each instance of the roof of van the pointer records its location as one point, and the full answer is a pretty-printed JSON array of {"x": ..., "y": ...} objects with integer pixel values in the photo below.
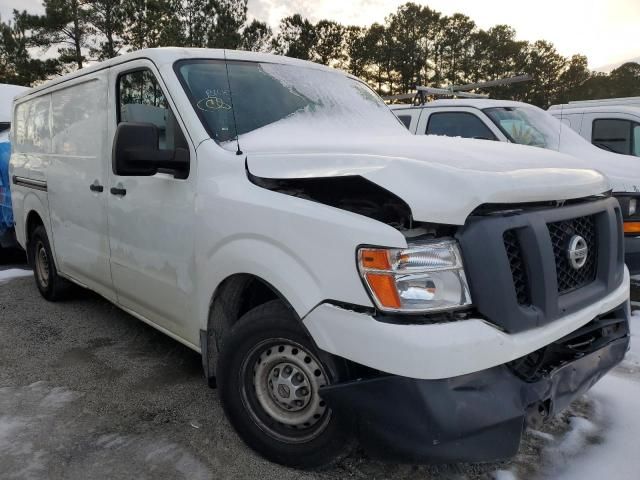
[
  {"x": 463, "y": 102},
  {"x": 169, "y": 55},
  {"x": 7, "y": 94},
  {"x": 623, "y": 101},
  {"x": 564, "y": 110}
]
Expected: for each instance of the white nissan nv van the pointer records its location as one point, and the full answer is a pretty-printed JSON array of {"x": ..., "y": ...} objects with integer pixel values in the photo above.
[
  {"x": 340, "y": 276},
  {"x": 612, "y": 124}
]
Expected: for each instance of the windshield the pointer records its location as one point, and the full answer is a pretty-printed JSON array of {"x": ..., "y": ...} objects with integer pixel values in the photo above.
[
  {"x": 278, "y": 102},
  {"x": 526, "y": 126}
]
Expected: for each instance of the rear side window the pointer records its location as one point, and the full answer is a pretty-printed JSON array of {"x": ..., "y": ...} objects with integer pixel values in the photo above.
[
  {"x": 78, "y": 114},
  {"x": 32, "y": 130},
  {"x": 141, "y": 100},
  {"x": 405, "y": 119},
  {"x": 616, "y": 135},
  {"x": 458, "y": 124}
]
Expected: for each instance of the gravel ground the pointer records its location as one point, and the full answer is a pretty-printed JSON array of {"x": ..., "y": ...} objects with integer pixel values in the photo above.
[{"x": 87, "y": 391}]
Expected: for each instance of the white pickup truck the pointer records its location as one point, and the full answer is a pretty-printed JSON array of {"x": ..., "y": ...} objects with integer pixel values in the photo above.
[{"x": 338, "y": 275}]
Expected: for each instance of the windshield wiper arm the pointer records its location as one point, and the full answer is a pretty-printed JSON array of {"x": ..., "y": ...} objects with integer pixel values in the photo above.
[{"x": 604, "y": 147}]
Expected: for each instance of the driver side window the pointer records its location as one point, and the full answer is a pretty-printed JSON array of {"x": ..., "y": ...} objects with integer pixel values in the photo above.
[
  {"x": 141, "y": 100},
  {"x": 458, "y": 124}
]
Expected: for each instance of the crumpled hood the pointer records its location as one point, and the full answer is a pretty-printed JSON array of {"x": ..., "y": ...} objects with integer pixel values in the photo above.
[{"x": 442, "y": 179}]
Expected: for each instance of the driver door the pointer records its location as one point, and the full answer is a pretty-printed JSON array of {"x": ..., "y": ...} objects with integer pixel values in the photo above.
[{"x": 151, "y": 218}]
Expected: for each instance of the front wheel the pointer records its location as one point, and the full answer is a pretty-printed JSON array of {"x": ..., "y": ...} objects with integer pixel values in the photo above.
[{"x": 269, "y": 377}]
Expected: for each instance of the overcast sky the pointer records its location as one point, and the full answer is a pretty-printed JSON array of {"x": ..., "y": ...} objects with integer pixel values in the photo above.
[{"x": 607, "y": 31}]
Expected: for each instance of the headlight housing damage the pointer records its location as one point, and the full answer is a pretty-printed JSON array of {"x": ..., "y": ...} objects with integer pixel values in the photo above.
[{"x": 425, "y": 277}]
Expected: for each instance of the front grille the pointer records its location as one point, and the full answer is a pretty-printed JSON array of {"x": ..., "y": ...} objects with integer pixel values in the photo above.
[
  {"x": 518, "y": 270},
  {"x": 569, "y": 278}
]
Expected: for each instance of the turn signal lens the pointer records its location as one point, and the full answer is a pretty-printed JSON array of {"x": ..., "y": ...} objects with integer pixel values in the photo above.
[
  {"x": 375, "y": 259},
  {"x": 384, "y": 288},
  {"x": 631, "y": 227}
]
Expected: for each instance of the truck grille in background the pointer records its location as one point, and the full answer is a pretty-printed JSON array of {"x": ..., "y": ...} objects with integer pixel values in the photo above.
[
  {"x": 561, "y": 232},
  {"x": 518, "y": 270}
]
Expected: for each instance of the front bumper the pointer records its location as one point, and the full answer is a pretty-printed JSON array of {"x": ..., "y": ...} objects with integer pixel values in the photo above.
[
  {"x": 441, "y": 350},
  {"x": 632, "y": 254},
  {"x": 476, "y": 417}
]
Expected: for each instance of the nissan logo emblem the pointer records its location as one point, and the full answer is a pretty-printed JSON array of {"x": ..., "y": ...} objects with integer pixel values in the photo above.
[{"x": 577, "y": 252}]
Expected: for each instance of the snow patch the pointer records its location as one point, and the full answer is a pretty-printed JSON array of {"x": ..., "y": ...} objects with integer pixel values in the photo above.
[
  {"x": 543, "y": 435},
  {"x": 617, "y": 424},
  {"x": 31, "y": 416},
  {"x": 150, "y": 455},
  {"x": 10, "y": 274},
  {"x": 580, "y": 433},
  {"x": 504, "y": 475},
  {"x": 26, "y": 414}
]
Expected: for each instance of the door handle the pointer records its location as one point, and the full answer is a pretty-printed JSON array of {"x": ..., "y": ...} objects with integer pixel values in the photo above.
[
  {"x": 118, "y": 191},
  {"x": 94, "y": 187}
]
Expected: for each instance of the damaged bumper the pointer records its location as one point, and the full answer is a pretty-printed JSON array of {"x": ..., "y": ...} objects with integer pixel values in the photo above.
[
  {"x": 632, "y": 254},
  {"x": 480, "y": 416}
]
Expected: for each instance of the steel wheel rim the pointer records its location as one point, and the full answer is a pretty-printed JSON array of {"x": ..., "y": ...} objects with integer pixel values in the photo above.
[
  {"x": 42, "y": 264},
  {"x": 280, "y": 389}
]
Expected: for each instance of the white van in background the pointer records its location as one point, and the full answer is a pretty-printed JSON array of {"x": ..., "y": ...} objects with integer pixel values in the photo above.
[
  {"x": 338, "y": 275},
  {"x": 611, "y": 124},
  {"x": 7, "y": 94},
  {"x": 525, "y": 124}
]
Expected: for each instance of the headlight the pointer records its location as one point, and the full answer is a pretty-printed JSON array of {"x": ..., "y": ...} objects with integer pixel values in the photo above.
[
  {"x": 633, "y": 203},
  {"x": 425, "y": 277}
]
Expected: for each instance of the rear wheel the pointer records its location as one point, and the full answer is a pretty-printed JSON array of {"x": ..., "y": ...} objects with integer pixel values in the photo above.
[
  {"x": 269, "y": 377},
  {"x": 49, "y": 283}
]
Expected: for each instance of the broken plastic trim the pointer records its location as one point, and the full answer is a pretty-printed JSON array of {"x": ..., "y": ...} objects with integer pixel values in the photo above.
[{"x": 352, "y": 193}]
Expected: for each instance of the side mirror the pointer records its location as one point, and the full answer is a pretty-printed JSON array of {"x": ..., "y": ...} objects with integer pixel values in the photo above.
[{"x": 136, "y": 153}]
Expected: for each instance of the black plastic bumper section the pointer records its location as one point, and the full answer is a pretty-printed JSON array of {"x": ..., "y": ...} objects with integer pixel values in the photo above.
[
  {"x": 632, "y": 254},
  {"x": 477, "y": 417}
]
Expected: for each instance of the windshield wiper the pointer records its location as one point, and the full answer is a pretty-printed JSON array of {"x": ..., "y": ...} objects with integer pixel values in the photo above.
[{"x": 604, "y": 147}]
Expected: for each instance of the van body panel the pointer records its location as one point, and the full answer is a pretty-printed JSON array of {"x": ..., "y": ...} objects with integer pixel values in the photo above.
[
  {"x": 79, "y": 156},
  {"x": 243, "y": 228},
  {"x": 28, "y": 162}
]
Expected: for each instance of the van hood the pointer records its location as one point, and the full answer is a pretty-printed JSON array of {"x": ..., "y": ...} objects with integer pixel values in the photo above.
[{"x": 441, "y": 179}]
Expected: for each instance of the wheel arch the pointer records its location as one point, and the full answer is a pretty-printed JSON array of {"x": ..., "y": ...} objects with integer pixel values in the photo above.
[{"x": 235, "y": 295}]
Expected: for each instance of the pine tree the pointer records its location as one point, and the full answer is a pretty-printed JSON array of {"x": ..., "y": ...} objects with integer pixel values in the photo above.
[
  {"x": 106, "y": 17},
  {"x": 296, "y": 39},
  {"x": 256, "y": 37},
  {"x": 65, "y": 25},
  {"x": 16, "y": 64}
]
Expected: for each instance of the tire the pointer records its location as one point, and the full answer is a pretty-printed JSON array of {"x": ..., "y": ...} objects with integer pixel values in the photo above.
[
  {"x": 51, "y": 285},
  {"x": 266, "y": 363}
]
